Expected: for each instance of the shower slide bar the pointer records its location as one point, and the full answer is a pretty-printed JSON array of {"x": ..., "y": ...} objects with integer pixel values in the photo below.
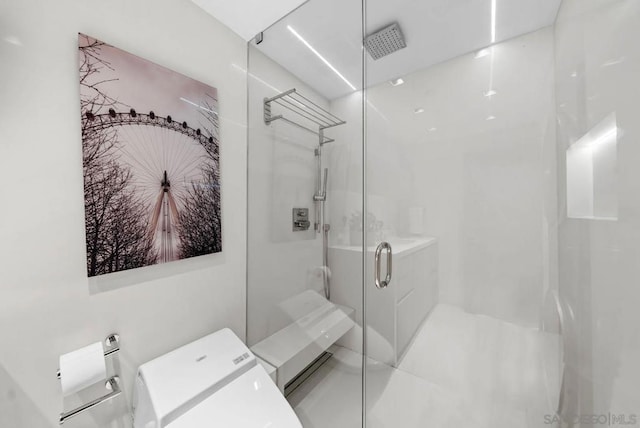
[{"x": 303, "y": 107}]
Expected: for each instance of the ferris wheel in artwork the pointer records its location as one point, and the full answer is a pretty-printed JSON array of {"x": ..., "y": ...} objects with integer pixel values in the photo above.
[{"x": 150, "y": 161}]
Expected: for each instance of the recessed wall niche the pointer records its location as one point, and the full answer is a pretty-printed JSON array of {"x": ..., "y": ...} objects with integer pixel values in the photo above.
[{"x": 592, "y": 171}]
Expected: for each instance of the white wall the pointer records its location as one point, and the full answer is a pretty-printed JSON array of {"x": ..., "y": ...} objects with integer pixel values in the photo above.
[
  {"x": 487, "y": 187},
  {"x": 597, "y": 63},
  {"x": 47, "y": 306}
]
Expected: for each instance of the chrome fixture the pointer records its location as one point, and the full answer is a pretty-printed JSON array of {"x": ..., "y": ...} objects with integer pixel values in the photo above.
[
  {"x": 383, "y": 283},
  {"x": 112, "y": 384},
  {"x": 303, "y": 108},
  {"x": 301, "y": 219},
  {"x": 325, "y": 260},
  {"x": 322, "y": 188},
  {"x": 311, "y": 114},
  {"x": 112, "y": 342},
  {"x": 385, "y": 41}
]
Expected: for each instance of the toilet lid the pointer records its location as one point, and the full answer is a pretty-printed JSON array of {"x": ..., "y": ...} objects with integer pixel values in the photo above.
[{"x": 250, "y": 401}]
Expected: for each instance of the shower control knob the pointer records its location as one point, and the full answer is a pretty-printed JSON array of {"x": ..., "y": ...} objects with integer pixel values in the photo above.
[{"x": 300, "y": 219}]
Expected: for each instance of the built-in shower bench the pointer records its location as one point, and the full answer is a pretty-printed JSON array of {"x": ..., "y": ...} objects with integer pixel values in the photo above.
[{"x": 296, "y": 346}]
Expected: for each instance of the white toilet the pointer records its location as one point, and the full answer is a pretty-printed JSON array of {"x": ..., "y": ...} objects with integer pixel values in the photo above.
[{"x": 213, "y": 382}]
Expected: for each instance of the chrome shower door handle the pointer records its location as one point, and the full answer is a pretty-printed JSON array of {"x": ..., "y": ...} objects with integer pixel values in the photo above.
[{"x": 383, "y": 283}]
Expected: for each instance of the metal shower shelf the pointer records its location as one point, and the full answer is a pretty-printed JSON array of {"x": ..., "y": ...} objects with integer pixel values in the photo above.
[{"x": 302, "y": 106}]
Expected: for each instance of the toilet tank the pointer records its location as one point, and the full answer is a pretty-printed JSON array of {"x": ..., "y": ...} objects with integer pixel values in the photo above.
[{"x": 170, "y": 385}]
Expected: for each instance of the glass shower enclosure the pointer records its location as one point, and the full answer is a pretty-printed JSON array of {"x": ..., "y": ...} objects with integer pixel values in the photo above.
[
  {"x": 305, "y": 178},
  {"x": 442, "y": 212}
]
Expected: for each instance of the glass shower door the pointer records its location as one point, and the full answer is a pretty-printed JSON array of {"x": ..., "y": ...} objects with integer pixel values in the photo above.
[{"x": 460, "y": 216}]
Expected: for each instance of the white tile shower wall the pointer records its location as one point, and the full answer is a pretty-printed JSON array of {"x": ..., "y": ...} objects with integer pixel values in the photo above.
[
  {"x": 282, "y": 176},
  {"x": 597, "y": 65},
  {"x": 481, "y": 165},
  {"x": 47, "y": 306}
]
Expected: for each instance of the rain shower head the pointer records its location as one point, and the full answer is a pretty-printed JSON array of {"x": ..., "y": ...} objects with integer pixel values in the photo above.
[{"x": 384, "y": 42}]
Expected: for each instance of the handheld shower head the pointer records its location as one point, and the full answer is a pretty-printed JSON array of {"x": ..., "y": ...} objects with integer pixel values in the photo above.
[
  {"x": 322, "y": 191},
  {"x": 324, "y": 182}
]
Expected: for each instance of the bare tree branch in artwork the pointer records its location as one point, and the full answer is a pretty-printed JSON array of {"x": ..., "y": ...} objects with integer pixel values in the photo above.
[
  {"x": 93, "y": 99},
  {"x": 199, "y": 223},
  {"x": 116, "y": 237}
]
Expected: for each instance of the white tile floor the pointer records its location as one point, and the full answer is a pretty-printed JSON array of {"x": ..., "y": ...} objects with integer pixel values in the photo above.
[{"x": 462, "y": 370}]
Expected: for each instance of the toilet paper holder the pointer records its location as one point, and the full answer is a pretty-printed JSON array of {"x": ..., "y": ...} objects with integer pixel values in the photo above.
[
  {"x": 112, "y": 384},
  {"x": 112, "y": 343}
]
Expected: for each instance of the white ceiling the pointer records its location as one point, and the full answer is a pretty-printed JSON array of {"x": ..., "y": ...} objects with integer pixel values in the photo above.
[
  {"x": 333, "y": 29},
  {"x": 248, "y": 17},
  {"x": 438, "y": 30},
  {"x": 435, "y": 31}
]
